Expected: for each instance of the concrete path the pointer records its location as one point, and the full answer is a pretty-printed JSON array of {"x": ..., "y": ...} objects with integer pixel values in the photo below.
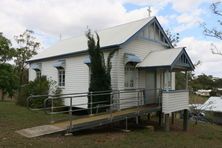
[{"x": 39, "y": 131}]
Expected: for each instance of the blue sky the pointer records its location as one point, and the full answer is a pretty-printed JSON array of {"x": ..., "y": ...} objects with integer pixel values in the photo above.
[
  {"x": 210, "y": 64},
  {"x": 195, "y": 31},
  {"x": 50, "y": 18}
]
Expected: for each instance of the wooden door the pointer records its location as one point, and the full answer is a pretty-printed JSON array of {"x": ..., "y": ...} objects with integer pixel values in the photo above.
[{"x": 150, "y": 88}]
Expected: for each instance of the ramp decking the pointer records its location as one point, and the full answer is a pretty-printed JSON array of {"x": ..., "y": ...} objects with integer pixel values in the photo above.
[{"x": 88, "y": 121}]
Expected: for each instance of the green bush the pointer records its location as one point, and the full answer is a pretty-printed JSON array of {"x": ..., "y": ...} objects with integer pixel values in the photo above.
[
  {"x": 40, "y": 86},
  {"x": 57, "y": 102}
]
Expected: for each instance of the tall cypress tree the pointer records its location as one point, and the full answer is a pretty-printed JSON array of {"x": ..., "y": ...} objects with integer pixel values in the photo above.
[{"x": 100, "y": 78}]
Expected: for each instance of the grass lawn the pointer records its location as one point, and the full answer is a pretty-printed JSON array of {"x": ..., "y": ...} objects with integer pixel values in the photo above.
[
  {"x": 14, "y": 117},
  {"x": 196, "y": 99}
]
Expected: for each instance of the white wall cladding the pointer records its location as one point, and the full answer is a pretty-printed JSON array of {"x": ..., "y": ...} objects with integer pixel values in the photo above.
[
  {"x": 173, "y": 81},
  {"x": 174, "y": 101},
  {"x": 140, "y": 48},
  {"x": 76, "y": 76},
  {"x": 32, "y": 74},
  {"x": 77, "y": 73},
  {"x": 77, "y": 79}
]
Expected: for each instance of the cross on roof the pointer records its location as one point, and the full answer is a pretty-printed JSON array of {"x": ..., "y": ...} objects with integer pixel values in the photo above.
[{"x": 149, "y": 11}]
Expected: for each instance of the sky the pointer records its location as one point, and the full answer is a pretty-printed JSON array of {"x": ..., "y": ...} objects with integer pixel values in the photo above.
[{"x": 51, "y": 18}]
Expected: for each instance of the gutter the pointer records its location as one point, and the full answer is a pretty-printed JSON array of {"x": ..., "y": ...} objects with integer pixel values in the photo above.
[{"x": 106, "y": 48}]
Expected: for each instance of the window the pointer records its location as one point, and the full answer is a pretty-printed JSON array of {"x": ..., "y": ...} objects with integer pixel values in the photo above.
[
  {"x": 61, "y": 76},
  {"x": 130, "y": 76},
  {"x": 167, "y": 80},
  {"x": 38, "y": 74}
]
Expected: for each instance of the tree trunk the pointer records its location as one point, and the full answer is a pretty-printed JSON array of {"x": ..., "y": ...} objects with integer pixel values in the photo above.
[{"x": 2, "y": 96}]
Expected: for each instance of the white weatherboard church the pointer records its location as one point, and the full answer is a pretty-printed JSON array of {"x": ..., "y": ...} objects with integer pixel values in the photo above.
[{"x": 145, "y": 58}]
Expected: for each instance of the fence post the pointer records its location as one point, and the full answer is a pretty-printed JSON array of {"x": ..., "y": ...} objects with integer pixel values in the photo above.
[
  {"x": 111, "y": 95},
  {"x": 70, "y": 115},
  {"x": 91, "y": 101},
  {"x": 160, "y": 97},
  {"x": 144, "y": 95},
  {"x": 138, "y": 105},
  {"x": 118, "y": 101},
  {"x": 51, "y": 116},
  {"x": 138, "y": 102}
]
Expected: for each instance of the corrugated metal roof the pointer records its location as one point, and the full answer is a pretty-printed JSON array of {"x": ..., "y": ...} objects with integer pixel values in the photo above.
[
  {"x": 212, "y": 104},
  {"x": 160, "y": 58},
  {"x": 108, "y": 37}
]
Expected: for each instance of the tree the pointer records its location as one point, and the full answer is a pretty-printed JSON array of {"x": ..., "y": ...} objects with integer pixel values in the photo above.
[
  {"x": 8, "y": 80},
  {"x": 6, "y": 52},
  {"x": 174, "y": 38},
  {"x": 203, "y": 82},
  {"x": 215, "y": 32},
  {"x": 100, "y": 79},
  {"x": 27, "y": 48}
]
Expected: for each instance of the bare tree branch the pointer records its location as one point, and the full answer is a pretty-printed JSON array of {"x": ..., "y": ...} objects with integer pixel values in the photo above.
[
  {"x": 215, "y": 50},
  {"x": 214, "y": 32},
  {"x": 215, "y": 8}
]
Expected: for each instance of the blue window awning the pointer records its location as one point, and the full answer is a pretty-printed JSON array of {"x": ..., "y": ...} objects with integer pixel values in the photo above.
[
  {"x": 131, "y": 58},
  {"x": 87, "y": 60},
  {"x": 59, "y": 64},
  {"x": 36, "y": 66}
]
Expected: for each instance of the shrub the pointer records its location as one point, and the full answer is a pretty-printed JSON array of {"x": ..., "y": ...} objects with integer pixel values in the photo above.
[{"x": 40, "y": 86}]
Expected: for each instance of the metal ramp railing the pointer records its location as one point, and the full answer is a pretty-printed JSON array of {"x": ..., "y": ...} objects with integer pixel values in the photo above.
[{"x": 100, "y": 111}]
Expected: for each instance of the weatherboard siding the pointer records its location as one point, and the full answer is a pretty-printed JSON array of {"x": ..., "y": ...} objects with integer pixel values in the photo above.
[
  {"x": 139, "y": 47},
  {"x": 76, "y": 76},
  {"x": 174, "y": 101},
  {"x": 77, "y": 80},
  {"x": 32, "y": 74}
]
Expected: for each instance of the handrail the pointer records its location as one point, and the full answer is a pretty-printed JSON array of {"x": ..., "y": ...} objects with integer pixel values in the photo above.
[
  {"x": 116, "y": 99},
  {"x": 77, "y": 95},
  {"x": 175, "y": 91}
]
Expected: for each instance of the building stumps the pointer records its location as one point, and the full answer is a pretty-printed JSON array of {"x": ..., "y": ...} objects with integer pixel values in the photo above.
[
  {"x": 172, "y": 118},
  {"x": 149, "y": 116},
  {"x": 185, "y": 119},
  {"x": 160, "y": 114},
  {"x": 167, "y": 122}
]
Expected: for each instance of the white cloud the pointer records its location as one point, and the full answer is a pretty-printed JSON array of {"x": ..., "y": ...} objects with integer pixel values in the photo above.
[
  {"x": 71, "y": 17},
  {"x": 49, "y": 18},
  {"x": 186, "y": 20},
  {"x": 200, "y": 50},
  {"x": 67, "y": 17},
  {"x": 186, "y": 5}
]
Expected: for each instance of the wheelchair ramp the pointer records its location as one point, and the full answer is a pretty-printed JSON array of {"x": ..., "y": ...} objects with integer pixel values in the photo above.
[
  {"x": 86, "y": 122},
  {"x": 39, "y": 131}
]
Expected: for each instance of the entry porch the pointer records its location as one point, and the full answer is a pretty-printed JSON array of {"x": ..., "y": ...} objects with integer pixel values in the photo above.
[{"x": 156, "y": 75}]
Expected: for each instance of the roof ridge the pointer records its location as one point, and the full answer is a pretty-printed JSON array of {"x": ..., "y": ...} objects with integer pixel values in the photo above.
[
  {"x": 73, "y": 37},
  {"x": 128, "y": 23}
]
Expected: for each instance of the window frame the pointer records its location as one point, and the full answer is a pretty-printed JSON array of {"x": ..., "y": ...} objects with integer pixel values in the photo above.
[
  {"x": 38, "y": 74},
  {"x": 130, "y": 76},
  {"x": 61, "y": 77}
]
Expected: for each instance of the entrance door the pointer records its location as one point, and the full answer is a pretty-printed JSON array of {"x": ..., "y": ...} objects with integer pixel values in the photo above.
[{"x": 150, "y": 92}]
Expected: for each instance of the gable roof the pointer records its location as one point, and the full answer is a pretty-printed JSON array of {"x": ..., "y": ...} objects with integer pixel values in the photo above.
[
  {"x": 113, "y": 36},
  {"x": 167, "y": 58}
]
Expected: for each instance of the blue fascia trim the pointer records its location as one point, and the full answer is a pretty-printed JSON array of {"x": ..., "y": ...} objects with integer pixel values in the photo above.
[
  {"x": 149, "y": 23},
  {"x": 189, "y": 60}
]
